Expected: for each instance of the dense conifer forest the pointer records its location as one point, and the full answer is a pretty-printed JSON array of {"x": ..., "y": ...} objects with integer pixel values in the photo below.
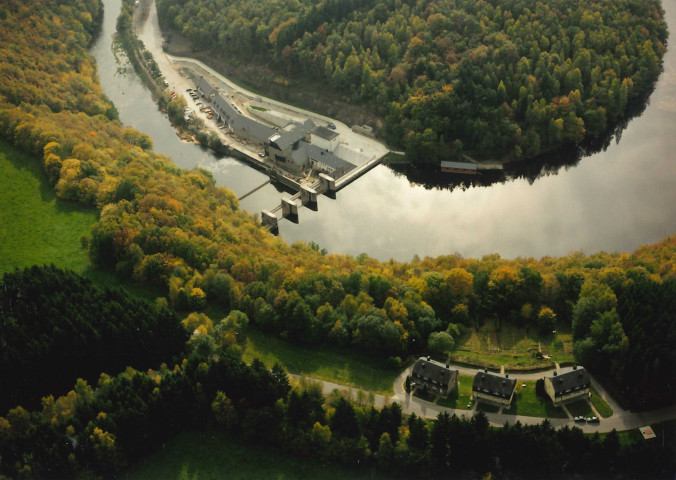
[
  {"x": 496, "y": 79},
  {"x": 177, "y": 230},
  {"x": 57, "y": 326}
]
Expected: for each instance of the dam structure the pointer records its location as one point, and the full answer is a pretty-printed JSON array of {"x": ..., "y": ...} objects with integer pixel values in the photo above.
[{"x": 302, "y": 154}]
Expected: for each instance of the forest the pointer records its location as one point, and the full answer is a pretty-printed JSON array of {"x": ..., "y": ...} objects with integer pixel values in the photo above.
[
  {"x": 176, "y": 230},
  {"x": 100, "y": 429},
  {"x": 57, "y": 326},
  {"x": 500, "y": 80}
]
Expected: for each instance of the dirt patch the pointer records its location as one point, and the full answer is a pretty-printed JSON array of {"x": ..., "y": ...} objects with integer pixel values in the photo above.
[{"x": 141, "y": 12}]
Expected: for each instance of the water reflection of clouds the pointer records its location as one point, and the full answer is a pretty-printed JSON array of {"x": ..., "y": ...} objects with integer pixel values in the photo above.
[{"x": 614, "y": 200}]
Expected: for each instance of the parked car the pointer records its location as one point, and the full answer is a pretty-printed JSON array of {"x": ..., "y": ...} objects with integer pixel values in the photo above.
[
  {"x": 332, "y": 126},
  {"x": 580, "y": 419},
  {"x": 592, "y": 420}
]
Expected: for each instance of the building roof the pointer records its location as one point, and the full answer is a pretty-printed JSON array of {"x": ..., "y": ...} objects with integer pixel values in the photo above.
[
  {"x": 299, "y": 156},
  {"x": 433, "y": 371},
  {"x": 287, "y": 139},
  {"x": 237, "y": 121},
  {"x": 317, "y": 153},
  {"x": 569, "y": 379},
  {"x": 494, "y": 384},
  {"x": 325, "y": 133},
  {"x": 205, "y": 87},
  {"x": 460, "y": 165}
]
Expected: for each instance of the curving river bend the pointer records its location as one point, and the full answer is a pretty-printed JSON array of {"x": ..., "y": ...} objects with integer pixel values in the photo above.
[{"x": 614, "y": 200}]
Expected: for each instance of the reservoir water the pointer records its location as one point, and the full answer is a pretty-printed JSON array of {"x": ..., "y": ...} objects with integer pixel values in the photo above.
[{"x": 615, "y": 200}]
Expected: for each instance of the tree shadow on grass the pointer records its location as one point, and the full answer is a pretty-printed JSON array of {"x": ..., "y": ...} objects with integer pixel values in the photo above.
[{"x": 487, "y": 407}]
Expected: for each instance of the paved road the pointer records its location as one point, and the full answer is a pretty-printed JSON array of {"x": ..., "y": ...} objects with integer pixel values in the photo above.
[
  {"x": 149, "y": 33},
  {"x": 620, "y": 420},
  {"x": 356, "y": 148}
]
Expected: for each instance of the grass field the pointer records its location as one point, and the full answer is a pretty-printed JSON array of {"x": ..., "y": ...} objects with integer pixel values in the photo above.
[
  {"x": 600, "y": 405},
  {"x": 211, "y": 456},
  {"x": 429, "y": 397},
  {"x": 527, "y": 402},
  {"x": 513, "y": 347},
  {"x": 487, "y": 407},
  {"x": 580, "y": 408},
  {"x": 346, "y": 369},
  {"x": 36, "y": 228},
  {"x": 462, "y": 396}
]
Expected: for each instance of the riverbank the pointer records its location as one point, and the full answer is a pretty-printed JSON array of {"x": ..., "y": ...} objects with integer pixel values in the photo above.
[
  {"x": 181, "y": 76},
  {"x": 615, "y": 200}
]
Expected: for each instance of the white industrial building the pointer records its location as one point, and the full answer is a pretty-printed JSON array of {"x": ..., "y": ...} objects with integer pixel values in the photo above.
[{"x": 324, "y": 138}]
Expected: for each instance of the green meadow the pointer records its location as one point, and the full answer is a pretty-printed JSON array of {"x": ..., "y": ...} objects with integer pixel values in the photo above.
[
  {"x": 219, "y": 455},
  {"x": 37, "y": 228},
  {"x": 320, "y": 363}
]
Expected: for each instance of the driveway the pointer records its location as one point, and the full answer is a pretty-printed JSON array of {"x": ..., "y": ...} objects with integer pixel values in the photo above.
[
  {"x": 620, "y": 420},
  {"x": 149, "y": 32}
]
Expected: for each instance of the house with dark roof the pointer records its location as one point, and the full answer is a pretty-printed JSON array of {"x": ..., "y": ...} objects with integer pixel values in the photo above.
[
  {"x": 493, "y": 388},
  {"x": 568, "y": 384},
  {"x": 438, "y": 378}
]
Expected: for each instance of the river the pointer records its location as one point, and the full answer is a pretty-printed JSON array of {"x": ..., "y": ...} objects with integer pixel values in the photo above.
[{"x": 614, "y": 200}]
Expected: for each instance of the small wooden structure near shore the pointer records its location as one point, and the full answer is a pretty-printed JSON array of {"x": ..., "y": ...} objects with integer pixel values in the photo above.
[{"x": 459, "y": 167}]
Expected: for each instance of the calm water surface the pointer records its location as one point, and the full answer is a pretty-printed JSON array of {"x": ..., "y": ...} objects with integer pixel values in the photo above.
[{"x": 615, "y": 200}]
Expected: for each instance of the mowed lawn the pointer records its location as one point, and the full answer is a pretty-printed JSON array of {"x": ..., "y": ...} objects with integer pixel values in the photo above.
[
  {"x": 460, "y": 397},
  {"x": 527, "y": 402},
  {"x": 36, "y": 228},
  {"x": 322, "y": 363},
  {"x": 218, "y": 455}
]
